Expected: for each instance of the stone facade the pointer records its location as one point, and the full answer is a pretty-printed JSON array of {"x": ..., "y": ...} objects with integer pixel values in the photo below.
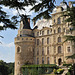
[{"x": 44, "y": 44}]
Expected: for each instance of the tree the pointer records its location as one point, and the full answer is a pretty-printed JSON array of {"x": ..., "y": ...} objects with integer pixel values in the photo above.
[
  {"x": 3, "y": 68},
  {"x": 16, "y": 4},
  {"x": 44, "y": 8},
  {"x": 71, "y": 20}
]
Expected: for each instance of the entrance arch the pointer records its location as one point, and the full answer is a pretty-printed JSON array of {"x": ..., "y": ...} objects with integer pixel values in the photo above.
[{"x": 59, "y": 61}]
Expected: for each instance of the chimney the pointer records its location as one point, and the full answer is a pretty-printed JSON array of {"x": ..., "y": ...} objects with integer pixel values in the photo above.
[
  {"x": 34, "y": 22},
  {"x": 70, "y": 4},
  {"x": 29, "y": 21}
]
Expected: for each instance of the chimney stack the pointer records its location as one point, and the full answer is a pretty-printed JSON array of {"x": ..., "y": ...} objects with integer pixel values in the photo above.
[
  {"x": 34, "y": 22},
  {"x": 70, "y": 4},
  {"x": 29, "y": 21}
]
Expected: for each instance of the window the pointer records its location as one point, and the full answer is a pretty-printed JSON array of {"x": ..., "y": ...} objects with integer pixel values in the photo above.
[
  {"x": 37, "y": 33},
  {"x": 59, "y": 49},
  {"x": 37, "y": 60},
  {"x": 37, "y": 51},
  {"x": 42, "y": 60},
  {"x": 54, "y": 20},
  {"x": 37, "y": 41},
  {"x": 54, "y": 31},
  {"x": 59, "y": 30},
  {"x": 47, "y": 31},
  {"x": 47, "y": 50},
  {"x": 18, "y": 50},
  {"x": 59, "y": 39},
  {"x": 58, "y": 20},
  {"x": 63, "y": 29},
  {"x": 54, "y": 49},
  {"x": 42, "y": 50},
  {"x": 55, "y": 60},
  {"x": 42, "y": 32},
  {"x": 47, "y": 60},
  {"x": 68, "y": 49},
  {"x": 42, "y": 41},
  {"x": 48, "y": 40}
]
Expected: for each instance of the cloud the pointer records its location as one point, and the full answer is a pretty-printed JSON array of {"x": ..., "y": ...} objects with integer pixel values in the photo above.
[{"x": 9, "y": 45}]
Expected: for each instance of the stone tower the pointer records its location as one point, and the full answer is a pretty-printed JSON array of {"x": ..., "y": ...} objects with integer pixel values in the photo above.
[{"x": 24, "y": 45}]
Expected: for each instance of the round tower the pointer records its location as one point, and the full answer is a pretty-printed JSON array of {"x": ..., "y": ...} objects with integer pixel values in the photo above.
[{"x": 24, "y": 45}]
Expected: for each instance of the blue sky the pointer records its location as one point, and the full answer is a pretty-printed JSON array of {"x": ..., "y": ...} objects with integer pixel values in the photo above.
[{"x": 7, "y": 48}]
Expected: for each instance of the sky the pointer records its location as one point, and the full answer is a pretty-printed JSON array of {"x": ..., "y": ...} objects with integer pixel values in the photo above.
[{"x": 7, "y": 48}]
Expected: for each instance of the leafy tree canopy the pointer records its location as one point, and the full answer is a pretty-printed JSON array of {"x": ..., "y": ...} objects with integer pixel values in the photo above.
[
  {"x": 71, "y": 20},
  {"x": 44, "y": 8}
]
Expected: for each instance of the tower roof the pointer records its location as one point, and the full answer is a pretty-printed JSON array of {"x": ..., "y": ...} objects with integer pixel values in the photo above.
[{"x": 25, "y": 22}]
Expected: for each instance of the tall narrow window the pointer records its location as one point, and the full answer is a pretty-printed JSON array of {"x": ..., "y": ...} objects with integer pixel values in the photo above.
[
  {"x": 42, "y": 60},
  {"x": 42, "y": 32},
  {"x": 47, "y": 50},
  {"x": 47, "y": 31},
  {"x": 37, "y": 41},
  {"x": 18, "y": 50},
  {"x": 68, "y": 49},
  {"x": 47, "y": 60},
  {"x": 42, "y": 50},
  {"x": 55, "y": 60},
  {"x": 59, "y": 39},
  {"x": 59, "y": 49},
  {"x": 58, "y": 20},
  {"x": 59, "y": 30},
  {"x": 42, "y": 41},
  {"x": 37, "y": 51},
  {"x": 48, "y": 40},
  {"x": 54, "y": 31},
  {"x": 37, "y": 33},
  {"x": 37, "y": 60}
]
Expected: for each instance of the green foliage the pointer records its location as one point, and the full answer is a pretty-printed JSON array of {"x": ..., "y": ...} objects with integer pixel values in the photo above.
[
  {"x": 3, "y": 68},
  {"x": 68, "y": 73},
  {"x": 38, "y": 69},
  {"x": 70, "y": 13},
  {"x": 6, "y": 68},
  {"x": 58, "y": 71},
  {"x": 67, "y": 65},
  {"x": 44, "y": 8},
  {"x": 41, "y": 65}
]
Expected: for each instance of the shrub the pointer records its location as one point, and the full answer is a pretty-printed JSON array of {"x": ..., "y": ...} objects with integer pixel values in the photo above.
[
  {"x": 67, "y": 65},
  {"x": 58, "y": 71},
  {"x": 68, "y": 73}
]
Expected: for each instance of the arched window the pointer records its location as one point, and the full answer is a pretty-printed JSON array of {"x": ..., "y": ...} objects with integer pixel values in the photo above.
[
  {"x": 37, "y": 60},
  {"x": 54, "y": 31},
  {"x": 59, "y": 39},
  {"x": 47, "y": 60},
  {"x": 47, "y": 31},
  {"x": 18, "y": 50},
  {"x": 42, "y": 60},
  {"x": 42, "y": 41},
  {"x": 37, "y": 51},
  {"x": 37, "y": 41},
  {"x": 42, "y": 50},
  {"x": 48, "y": 40},
  {"x": 47, "y": 50},
  {"x": 58, "y": 20},
  {"x": 59, "y": 49},
  {"x": 37, "y": 33},
  {"x": 42, "y": 32},
  {"x": 59, "y": 30}
]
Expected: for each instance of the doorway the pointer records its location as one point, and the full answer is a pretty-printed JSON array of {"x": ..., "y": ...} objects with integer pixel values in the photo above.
[{"x": 59, "y": 61}]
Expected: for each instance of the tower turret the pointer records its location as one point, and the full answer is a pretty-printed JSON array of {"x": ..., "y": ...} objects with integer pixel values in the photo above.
[{"x": 24, "y": 45}]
